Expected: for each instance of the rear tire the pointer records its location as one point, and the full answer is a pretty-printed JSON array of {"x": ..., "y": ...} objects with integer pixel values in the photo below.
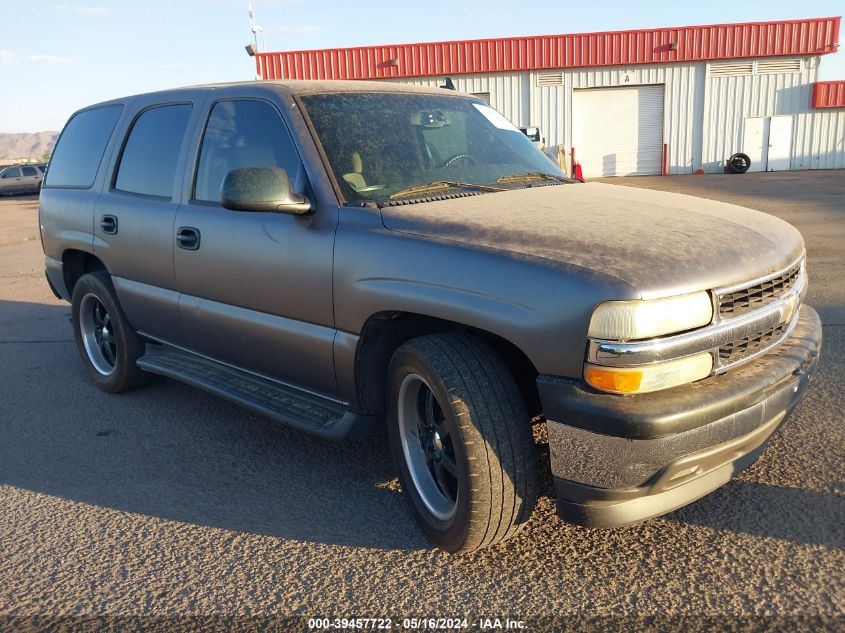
[
  {"x": 461, "y": 440},
  {"x": 107, "y": 344}
]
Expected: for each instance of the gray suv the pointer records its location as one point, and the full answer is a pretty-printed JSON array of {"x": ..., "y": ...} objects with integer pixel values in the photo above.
[
  {"x": 342, "y": 255},
  {"x": 21, "y": 179}
]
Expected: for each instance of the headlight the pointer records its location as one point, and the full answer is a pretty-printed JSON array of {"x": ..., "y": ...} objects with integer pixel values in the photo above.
[
  {"x": 632, "y": 320},
  {"x": 649, "y": 377}
]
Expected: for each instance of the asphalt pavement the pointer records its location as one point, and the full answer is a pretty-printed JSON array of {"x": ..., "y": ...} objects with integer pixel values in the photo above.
[{"x": 169, "y": 508}]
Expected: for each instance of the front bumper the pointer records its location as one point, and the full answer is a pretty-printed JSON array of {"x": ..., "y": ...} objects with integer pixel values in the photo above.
[{"x": 618, "y": 460}]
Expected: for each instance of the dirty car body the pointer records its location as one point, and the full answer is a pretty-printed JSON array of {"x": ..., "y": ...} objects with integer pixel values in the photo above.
[{"x": 661, "y": 338}]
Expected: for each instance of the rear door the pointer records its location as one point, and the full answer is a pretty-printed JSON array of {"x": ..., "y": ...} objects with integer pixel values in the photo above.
[
  {"x": 134, "y": 218},
  {"x": 256, "y": 288},
  {"x": 31, "y": 178}
]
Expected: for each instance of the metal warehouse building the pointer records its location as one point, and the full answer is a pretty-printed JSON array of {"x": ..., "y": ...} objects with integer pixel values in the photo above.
[{"x": 667, "y": 100}]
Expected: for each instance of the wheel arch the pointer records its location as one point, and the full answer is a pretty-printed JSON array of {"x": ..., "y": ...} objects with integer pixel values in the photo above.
[
  {"x": 76, "y": 263},
  {"x": 384, "y": 332}
]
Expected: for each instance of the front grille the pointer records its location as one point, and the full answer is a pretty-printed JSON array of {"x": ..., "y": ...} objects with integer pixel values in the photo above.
[
  {"x": 737, "y": 350},
  {"x": 753, "y": 297},
  {"x": 754, "y": 318}
]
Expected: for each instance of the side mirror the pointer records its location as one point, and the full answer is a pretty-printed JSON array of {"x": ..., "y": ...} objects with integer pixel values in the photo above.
[
  {"x": 264, "y": 189},
  {"x": 533, "y": 134}
]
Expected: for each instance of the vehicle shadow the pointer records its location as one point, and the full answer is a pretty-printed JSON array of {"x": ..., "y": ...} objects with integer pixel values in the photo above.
[
  {"x": 792, "y": 514},
  {"x": 20, "y": 198},
  {"x": 177, "y": 453}
]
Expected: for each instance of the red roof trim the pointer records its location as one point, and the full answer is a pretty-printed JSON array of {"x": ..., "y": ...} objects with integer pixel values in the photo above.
[
  {"x": 829, "y": 94},
  {"x": 817, "y": 36}
]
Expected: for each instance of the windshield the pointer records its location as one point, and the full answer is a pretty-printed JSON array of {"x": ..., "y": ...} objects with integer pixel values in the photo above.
[{"x": 388, "y": 147}]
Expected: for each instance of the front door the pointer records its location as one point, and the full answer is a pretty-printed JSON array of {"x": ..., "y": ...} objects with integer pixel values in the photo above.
[
  {"x": 10, "y": 180},
  {"x": 256, "y": 288},
  {"x": 755, "y": 142}
]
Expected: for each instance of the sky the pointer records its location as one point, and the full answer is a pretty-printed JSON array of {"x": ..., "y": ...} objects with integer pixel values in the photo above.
[{"x": 58, "y": 57}]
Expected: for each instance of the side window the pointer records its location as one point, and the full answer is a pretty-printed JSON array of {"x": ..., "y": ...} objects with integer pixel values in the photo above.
[
  {"x": 30, "y": 171},
  {"x": 81, "y": 145},
  {"x": 149, "y": 160},
  {"x": 12, "y": 172},
  {"x": 243, "y": 133}
]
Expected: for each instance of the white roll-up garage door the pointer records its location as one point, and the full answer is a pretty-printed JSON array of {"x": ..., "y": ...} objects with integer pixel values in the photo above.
[{"x": 618, "y": 131}]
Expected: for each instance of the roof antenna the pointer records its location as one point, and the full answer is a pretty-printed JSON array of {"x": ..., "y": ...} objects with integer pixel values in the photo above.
[{"x": 448, "y": 85}]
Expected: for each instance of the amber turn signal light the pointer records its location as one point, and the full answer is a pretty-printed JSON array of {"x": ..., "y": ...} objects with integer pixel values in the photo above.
[{"x": 627, "y": 381}]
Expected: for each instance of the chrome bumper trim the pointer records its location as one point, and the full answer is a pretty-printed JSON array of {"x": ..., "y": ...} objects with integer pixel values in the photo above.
[{"x": 783, "y": 310}]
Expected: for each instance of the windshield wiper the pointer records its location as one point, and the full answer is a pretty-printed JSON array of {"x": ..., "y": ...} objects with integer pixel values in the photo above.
[
  {"x": 439, "y": 185},
  {"x": 531, "y": 175}
]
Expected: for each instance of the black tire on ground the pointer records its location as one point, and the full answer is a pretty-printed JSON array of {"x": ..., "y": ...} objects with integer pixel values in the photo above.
[
  {"x": 739, "y": 163},
  {"x": 488, "y": 439},
  {"x": 127, "y": 346}
]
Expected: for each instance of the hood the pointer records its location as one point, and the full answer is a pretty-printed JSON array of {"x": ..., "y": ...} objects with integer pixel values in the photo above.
[{"x": 660, "y": 243}]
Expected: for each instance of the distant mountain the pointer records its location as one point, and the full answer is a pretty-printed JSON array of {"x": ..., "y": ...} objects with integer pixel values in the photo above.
[{"x": 31, "y": 145}]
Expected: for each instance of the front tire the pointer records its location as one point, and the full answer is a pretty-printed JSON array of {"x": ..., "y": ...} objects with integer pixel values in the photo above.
[
  {"x": 462, "y": 442},
  {"x": 107, "y": 344}
]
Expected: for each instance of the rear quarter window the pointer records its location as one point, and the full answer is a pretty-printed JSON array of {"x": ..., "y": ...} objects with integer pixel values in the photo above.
[{"x": 81, "y": 145}]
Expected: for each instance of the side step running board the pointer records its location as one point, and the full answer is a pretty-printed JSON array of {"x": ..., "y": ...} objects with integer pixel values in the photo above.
[{"x": 291, "y": 406}]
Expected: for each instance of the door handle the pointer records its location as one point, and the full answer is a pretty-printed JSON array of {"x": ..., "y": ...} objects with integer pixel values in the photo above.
[
  {"x": 188, "y": 237},
  {"x": 108, "y": 224}
]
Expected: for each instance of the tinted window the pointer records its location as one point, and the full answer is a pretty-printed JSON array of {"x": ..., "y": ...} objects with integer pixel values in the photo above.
[
  {"x": 148, "y": 163},
  {"x": 243, "y": 134},
  {"x": 81, "y": 146},
  {"x": 30, "y": 171},
  {"x": 12, "y": 172}
]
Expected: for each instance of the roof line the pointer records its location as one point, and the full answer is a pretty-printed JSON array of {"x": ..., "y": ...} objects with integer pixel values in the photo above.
[{"x": 535, "y": 37}]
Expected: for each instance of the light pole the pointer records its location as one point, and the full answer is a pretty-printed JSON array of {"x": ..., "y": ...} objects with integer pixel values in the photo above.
[{"x": 255, "y": 29}]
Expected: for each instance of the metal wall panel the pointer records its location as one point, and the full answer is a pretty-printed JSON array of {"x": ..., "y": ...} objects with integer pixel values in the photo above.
[
  {"x": 730, "y": 99},
  {"x": 829, "y": 94},
  {"x": 613, "y": 48},
  {"x": 819, "y": 140}
]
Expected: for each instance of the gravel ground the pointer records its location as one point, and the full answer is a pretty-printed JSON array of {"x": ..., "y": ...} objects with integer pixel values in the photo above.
[{"x": 169, "y": 508}]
